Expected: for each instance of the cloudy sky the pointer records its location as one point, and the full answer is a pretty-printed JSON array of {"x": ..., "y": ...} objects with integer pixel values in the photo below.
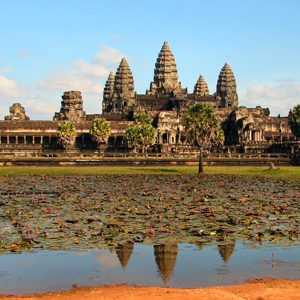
[{"x": 48, "y": 47}]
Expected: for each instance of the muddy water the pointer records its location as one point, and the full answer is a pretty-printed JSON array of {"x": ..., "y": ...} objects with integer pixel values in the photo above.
[{"x": 176, "y": 265}]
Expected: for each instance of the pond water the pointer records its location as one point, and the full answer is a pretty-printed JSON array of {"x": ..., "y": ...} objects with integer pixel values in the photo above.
[
  {"x": 56, "y": 231},
  {"x": 172, "y": 264}
]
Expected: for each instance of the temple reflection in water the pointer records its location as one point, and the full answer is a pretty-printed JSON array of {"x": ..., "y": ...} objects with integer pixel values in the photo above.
[
  {"x": 124, "y": 252},
  {"x": 166, "y": 254},
  {"x": 226, "y": 251},
  {"x": 165, "y": 257}
]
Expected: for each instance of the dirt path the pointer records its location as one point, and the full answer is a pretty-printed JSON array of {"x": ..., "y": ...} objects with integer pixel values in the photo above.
[{"x": 260, "y": 289}]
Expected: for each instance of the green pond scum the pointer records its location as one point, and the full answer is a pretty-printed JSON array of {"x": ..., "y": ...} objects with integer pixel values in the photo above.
[{"x": 98, "y": 211}]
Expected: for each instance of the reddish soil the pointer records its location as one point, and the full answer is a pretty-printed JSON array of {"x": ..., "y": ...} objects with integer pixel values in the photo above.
[{"x": 259, "y": 289}]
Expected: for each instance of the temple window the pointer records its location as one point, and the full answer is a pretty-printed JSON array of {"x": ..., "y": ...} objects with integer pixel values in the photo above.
[
  {"x": 12, "y": 140},
  {"x": 46, "y": 140},
  {"x": 78, "y": 141},
  {"x": 29, "y": 139},
  {"x": 165, "y": 138},
  {"x": 37, "y": 140},
  {"x": 21, "y": 140},
  {"x": 111, "y": 140},
  {"x": 3, "y": 139}
]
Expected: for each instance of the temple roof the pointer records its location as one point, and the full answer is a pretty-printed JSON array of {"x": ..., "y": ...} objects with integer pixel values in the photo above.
[
  {"x": 201, "y": 88},
  {"x": 165, "y": 72},
  {"x": 124, "y": 83},
  {"x": 109, "y": 86},
  {"x": 226, "y": 80}
]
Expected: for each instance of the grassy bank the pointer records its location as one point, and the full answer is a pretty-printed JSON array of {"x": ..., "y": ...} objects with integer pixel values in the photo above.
[{"x": 281, "y": 172}]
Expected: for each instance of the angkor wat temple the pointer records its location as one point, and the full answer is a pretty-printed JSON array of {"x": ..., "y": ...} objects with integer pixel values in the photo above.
[{"x": 247, "y": 130}]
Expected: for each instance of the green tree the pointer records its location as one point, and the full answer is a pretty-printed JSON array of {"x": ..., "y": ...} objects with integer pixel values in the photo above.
[
  {"x": 66, "y": 133},
  {"x": 141, "y": 133},
  {"x": 294, "y": 121},
  {"x": 100, "y": 131},
  {"x": 203, "y": 128}
]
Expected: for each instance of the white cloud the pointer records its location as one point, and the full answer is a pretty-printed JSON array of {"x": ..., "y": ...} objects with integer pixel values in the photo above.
[
  {"x": 83, "y": 68},
  {"x": 36, "y": 106},
  {"x": 5, "y": 70},
  {"x": 107, "y": 260},
  {"x": 84, "y": 76},
  {"x": 108, "y": 55},
  {"x": 280, "y": 97},
  {"x": 10, "y": 92},
  {"x": 70, "y": 82},
  {"x": 9, "y": 88},
  {"x": 43, "y": 98}
]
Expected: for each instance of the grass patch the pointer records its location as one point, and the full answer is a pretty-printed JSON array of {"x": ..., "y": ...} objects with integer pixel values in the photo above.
[{"x": 281, "y": 172}]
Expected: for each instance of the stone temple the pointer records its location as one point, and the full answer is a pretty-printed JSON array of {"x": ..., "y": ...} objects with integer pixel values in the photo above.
[{"x": 247, "y": 130}]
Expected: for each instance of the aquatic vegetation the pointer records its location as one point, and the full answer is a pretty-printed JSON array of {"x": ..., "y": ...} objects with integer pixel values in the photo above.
[{"x": 89, "y": 211}]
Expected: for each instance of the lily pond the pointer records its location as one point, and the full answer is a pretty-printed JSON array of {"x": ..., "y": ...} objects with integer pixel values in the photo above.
[{"x": 179, "y": 230}]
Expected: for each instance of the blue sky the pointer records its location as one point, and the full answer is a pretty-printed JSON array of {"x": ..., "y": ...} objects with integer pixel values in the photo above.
[{"x": 48, "y": 47}]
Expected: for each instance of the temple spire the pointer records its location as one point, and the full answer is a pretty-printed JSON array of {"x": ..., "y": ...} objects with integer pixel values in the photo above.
[
  {"x": 124, "y": 95},
  {"x": 201, "y": 88},
  {"x": 124, "y": 80},
  {"x": 165, "y": 73},
  {"x": 226, "y": 88},
  {"x": 108, "y": 92}
]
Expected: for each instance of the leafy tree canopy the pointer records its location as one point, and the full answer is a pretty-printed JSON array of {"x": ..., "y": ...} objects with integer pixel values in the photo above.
[
  {"x": 295, "y": 121},
  {"x": 100, "y": 130},
  {"x": 202, "y": 125},
  {"x": 203, "y": 128},
  {"x": 66, "y": 133},
  {"x": 143, "y": 119},
  {"x": 140, "y": 134}
]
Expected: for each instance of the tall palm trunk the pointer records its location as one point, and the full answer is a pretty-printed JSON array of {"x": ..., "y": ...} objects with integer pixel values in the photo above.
[{"x": 200, "y": 165}]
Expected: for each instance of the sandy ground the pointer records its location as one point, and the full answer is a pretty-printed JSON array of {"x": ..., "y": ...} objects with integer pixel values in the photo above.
[{"x": 259, "y": 289}]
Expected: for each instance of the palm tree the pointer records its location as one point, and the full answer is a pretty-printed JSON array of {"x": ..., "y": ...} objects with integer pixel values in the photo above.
[{"x": 203, "y": 128}]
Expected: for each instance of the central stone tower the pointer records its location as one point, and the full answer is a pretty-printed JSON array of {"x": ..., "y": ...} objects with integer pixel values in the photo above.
[
  {"x": 226, "y": 94},
  {"x": 165, "y": 79}
]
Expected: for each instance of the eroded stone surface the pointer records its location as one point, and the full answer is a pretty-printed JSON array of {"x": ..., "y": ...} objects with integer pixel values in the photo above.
[
  {"x": 108, "y": 92},
  {"x": 226, "y": 88},
  {"x": 165, "y": 73},
  {"x": 201, "y": 88},
  {"x": 71, "y": 107},
  {"x": 17, "y": 113}
]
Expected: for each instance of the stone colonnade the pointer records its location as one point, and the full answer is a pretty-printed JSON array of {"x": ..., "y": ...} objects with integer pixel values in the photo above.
[{"x": 26, "y": 139}]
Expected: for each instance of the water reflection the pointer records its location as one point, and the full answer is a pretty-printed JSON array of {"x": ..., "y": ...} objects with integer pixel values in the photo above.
[
  {"x": 166, "y": 254},
  {"x": 124, "y": 252},
  {"x": 226, "y": 250},
  {"x": 180, "y": 265},
  {"x": 165, "y": 257}
]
